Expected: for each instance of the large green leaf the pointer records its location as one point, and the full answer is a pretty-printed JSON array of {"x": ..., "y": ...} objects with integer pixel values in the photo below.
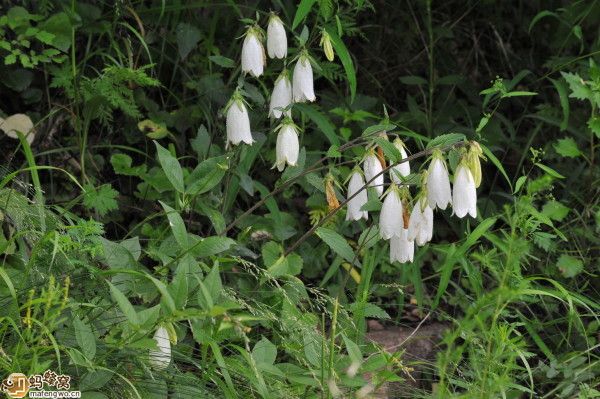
[
  {"x": 124, "y": 304},
  {"x": 177, "y": 226},
  {"x": 303, "y": 9},
  {"x": 170, "y": 165},
  {"x": 337, "y": 243}
]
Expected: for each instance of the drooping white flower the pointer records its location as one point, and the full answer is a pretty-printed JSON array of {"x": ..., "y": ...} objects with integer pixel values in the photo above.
[
  {"x": 391, "y": 219},
  {"x": 287, "y": 147},
  {"x": 276, "y": 38},
  {"x": 281, "y": 97},
  {"x": 401, "y": 248},
  {"x": 464, "y": 195},
  {"x": 372, "y": 167},
  {"x": 18, "y": 123},
  {"x": 303, "y": 86},
  {"x": 438, "y": 183},
  {"x": 420, "y": 224},
  {"x": 401, "y": 170},
  {"x": 354, "y": 205},
  {"x": 253, "y": 53},
  {"x": 161, "y": 357},
  {"x": 238, "y": 122}
]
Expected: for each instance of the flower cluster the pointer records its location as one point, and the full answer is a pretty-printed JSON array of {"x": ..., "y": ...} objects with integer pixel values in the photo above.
[
  {"x": 402, "y": 226},
  {"x": 286, "y": 91}
]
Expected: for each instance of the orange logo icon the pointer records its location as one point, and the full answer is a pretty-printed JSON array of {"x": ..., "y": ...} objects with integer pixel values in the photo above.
[{"x": 16, "y": 385}]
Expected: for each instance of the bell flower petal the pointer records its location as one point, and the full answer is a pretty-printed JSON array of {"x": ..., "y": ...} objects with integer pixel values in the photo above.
[
  {"x": 464, "y": 195},
  {"x": 372, "y": 167},
  {"x": 438, "y": 184},
  {"x": 356, "y": 183},
  {"x": 391, "y": 220},
  {"x": 253, "y": 54},
  {"x": 238, "y": 124},
  {"x": 287, "y": 147},
  {"x": 281, "y": 97},
  {"x": 402, "y": 249},
  {"x": 303, "y": 85},
  {"x": 161, "y": 357},
  {"x": 276, "y": 38}
]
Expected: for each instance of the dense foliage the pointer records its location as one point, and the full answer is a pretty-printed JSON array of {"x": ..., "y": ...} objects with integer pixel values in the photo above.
[{"x": 155, "y": 245}]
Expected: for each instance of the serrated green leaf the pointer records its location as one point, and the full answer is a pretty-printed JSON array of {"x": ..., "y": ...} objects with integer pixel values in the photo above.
[
  {"x": 567, "y": 147},
  {"x": 569, "y": 266}
]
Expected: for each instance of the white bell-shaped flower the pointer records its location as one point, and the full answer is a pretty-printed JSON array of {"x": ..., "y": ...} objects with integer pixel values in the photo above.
[
  {"x": 281, "y": 97},
  {"x": 464, "y": 194},
  {"x": 356, "y": 185},
  {"x": 403, "y": 169},
  {"x": 238, "y": 122},
  {"x": 438, "y": 183},
  {"x": 276, "y": 38},
  {"x": 401, "y": 248},
  {"x": 391, "y": 218},
  {"x": 303, "y": 86},
  {"x": 420, "y": 223},
  {"x": 253, "y": 53},
  {"x": 18, "y": 123},
  {"x": 372, "y": 167},
  {"x": 161, "y": 357},
  {"x": 287, "y": 146}
]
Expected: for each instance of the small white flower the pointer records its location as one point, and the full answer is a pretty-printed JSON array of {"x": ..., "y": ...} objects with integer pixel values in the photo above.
[
  {"x": 420, "y": 224},
  {"x": 464, "y": 195},
  {"x": 438, "y": 183},
  {"x": 372, "y": 167},
  {"x": 354, "y": 205},
  {"x": 161, "y": 358},
  {"x": 18, "y": 123},
  {"x": 238, "y": 123},
  {"x": 402, "y": 170},
  {"x": 401, "y": 248},
  {"x": 281, "y": 97},
  {"x": 253, "y": 53},
  {"x": 287, "y": 147},
  {"x": 303, "y": 87},
  {"x": 391, "y": 219},
  {"x": 276, "y": 38}
]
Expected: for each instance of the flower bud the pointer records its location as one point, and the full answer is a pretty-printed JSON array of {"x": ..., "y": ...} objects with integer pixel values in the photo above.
[
  {"x": 327, "y": 47},
  {"x": 332, "y": 201}
]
